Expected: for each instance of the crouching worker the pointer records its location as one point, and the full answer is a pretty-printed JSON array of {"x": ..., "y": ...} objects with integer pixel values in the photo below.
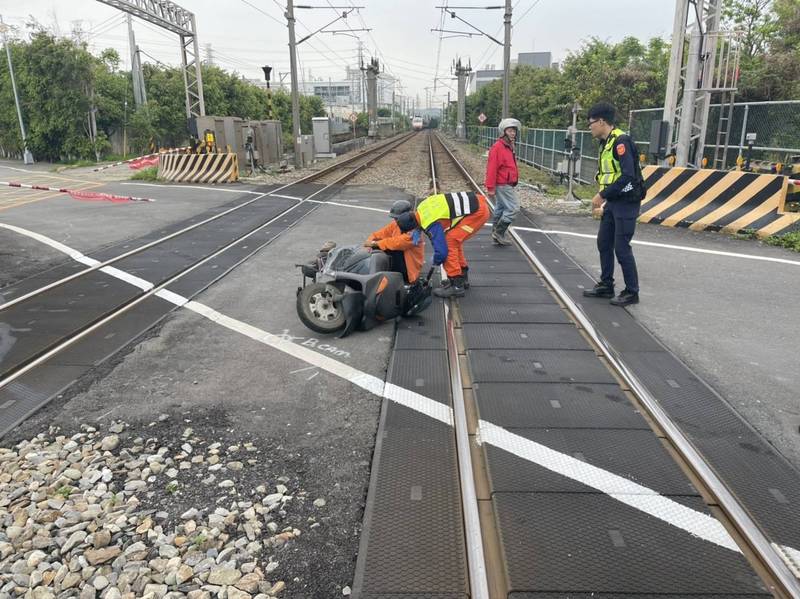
[
  {"x": 449, "y": 219},
  {"x": 406, "y": 253}
]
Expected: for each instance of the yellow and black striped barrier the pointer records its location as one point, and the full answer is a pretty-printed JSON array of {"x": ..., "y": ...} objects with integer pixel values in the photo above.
[
  {"x": 706, "y": 199},
  {"x": 199, "y": 168}
]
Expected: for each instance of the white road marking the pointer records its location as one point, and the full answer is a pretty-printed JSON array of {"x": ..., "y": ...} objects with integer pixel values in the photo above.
[
  {"x": 628, "y": 492},
  {"x": 239, "y": 191},
  {"x": 632, "y": 494},
  {"x": 667, "y": 246},
  {"x": 127, "y": 277}
]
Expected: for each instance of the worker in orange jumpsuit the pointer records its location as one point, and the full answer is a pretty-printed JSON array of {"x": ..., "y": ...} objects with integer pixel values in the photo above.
[
  {"x": 449, "y": 219},
  {"x": 406, "y": 252}
]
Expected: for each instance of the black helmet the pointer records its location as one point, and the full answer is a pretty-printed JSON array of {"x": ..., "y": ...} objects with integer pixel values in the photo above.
[
  {"x": 400, "y": 207},
  {"x": 407, "y": 221}
]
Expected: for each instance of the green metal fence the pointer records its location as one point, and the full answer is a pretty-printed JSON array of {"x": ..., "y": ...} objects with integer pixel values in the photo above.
[
  {"x": 544, "y": 149},
  {"x": 776, "y": 125}
]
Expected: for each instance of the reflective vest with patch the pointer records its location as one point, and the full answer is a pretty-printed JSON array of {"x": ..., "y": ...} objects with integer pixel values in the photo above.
[
  {"x": 609, "y": 169},
  {"x": 447, "y": 206}
]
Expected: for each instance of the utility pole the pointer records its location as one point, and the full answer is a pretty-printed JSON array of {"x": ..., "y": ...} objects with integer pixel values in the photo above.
[
  {"x": 363, "y": 87},
  {"x": 27, "y": 157},
  {"x": 507, "y": 59},
  {"x": 93, "y": 124},
  {"x": 372, "y": 86},
  {"x": 298, "y": 163},
  {"x": 462, "y": 72},
  {"x": 448, "y": 111},
  {"x": 139, "y": 93},
  {"x": 392, "y": 105}
]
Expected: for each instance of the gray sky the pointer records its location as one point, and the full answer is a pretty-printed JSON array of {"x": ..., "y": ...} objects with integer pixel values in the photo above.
[{"x": 243, "y": 39}]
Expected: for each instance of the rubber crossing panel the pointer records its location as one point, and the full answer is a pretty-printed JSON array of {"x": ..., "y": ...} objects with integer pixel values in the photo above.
[
  {"x": 412, "y": 544},
  {"x": 769, "y": 486},
  {"x": 561, "y": 534},
  {"x": 557, "y": 405},
  {"x": 605, "y": 546}
]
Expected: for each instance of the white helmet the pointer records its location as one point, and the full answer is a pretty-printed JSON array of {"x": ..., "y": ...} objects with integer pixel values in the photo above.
[{"x": 507, "y": 124}]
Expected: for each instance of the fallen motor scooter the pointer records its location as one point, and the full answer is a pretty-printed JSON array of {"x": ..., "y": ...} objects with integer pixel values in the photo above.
[{"x": 350, "y": 287}]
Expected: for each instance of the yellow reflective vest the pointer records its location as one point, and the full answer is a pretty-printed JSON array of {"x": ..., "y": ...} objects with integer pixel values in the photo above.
[
  {"x": 609, "y": 169},
  {"x": 446, "y": 206}
]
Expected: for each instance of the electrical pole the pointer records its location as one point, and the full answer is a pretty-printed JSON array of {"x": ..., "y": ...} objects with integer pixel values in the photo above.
[
  {"x": 139, "y": 94},
  {"x": 363, "y": 86},
  {"x": 507, "y": 59},
  {"x": 372, "y": 87},
  {"x": 27, "y": 157},
  {"x": 462, "y": 72},
  {"x": 298, "y": 163},
  {"x": 392, "y": 105},
  {"x": 448, "y": 111}
]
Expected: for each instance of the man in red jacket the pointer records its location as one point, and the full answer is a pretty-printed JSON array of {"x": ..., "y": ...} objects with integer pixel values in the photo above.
[
  {"x": 406, "y": 252},
  {"x": 501, "y": 179}
]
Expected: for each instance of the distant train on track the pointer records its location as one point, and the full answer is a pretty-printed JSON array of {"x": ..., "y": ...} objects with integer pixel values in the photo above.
[{"x": 417, "y": 123}]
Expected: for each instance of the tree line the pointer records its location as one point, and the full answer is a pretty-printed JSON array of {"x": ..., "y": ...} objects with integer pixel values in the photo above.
[
  {"x": 60, "y": 82},
  {"x": 633, "y": 74}
]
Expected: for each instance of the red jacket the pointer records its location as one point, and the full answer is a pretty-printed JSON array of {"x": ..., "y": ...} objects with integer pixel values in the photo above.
[{"x": 501, "y": 169}]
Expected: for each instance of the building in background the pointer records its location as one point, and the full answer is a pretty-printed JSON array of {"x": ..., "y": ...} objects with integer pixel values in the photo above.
[
  {"x": 543, "y": 60},
  {"x": 480, "y": 77}
]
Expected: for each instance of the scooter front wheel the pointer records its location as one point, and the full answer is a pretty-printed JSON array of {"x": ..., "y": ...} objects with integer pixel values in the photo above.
[{"x": 317, "y": 309}]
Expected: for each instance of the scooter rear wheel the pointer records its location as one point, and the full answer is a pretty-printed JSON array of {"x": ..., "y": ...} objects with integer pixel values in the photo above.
[{"x": 318, "y": 311}]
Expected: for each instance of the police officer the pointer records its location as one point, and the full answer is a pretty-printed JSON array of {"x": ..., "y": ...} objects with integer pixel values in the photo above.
[{"x": 621, "y": 192}]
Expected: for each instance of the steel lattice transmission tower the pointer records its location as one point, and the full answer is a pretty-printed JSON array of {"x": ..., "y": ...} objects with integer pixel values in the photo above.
[
  {"x": 704, "y": 61},
  {"x": 172, "y": 17}
]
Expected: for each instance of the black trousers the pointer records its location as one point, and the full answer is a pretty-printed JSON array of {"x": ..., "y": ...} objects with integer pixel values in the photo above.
[{"x": 614, "y": 237}]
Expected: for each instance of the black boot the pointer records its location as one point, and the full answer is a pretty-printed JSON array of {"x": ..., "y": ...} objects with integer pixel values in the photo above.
[
  {"x": 499, "y": 233},
  {"x": 454, "y": 289},
  {"x": 625, "y": 298},
  {"x": 465, "y": 276},
  {"x": 599, "y": 290}
]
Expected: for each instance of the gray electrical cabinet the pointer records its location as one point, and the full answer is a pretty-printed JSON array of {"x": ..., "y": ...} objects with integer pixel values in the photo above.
[
  {"x": 232, "y": 127},
  {"x": 306, "y": 149},
  {"x": 322, "y": 135}
]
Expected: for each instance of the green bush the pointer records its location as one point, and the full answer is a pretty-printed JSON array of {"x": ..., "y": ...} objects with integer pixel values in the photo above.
[
  {"x": 790, "y": 241},
  {"x": 146, "y": 174}
]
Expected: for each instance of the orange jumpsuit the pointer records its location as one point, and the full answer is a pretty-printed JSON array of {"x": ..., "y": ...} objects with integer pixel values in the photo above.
[
  {"x": 390, "y": 238},
  {"x": 456, "y": 234}
]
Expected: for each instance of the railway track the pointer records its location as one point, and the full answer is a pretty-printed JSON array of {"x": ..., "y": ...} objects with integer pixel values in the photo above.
[
  {"x": 486, "y": 560},
  {"x": 180, "y": 255},
  {"x": 149, "y": 269}
]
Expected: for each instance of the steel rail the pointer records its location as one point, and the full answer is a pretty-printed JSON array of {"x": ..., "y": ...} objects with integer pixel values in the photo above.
[
  {"x": 100, "y": 265},
  {"x": 78, "y": 334},
  {"x": 476, "y": 558},
  {"x": 751, "y": 533}
]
